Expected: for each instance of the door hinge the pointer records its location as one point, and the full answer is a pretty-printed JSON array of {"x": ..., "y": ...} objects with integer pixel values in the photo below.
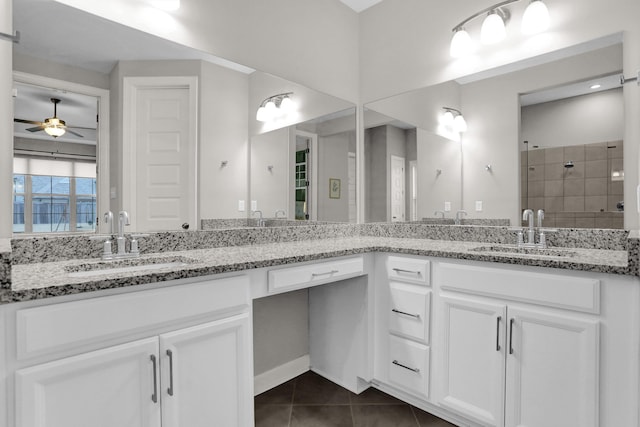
[{"x": 307, "y": 151}]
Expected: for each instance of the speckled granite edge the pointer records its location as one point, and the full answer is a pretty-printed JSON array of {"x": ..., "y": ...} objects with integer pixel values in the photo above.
[
  {"x": 33, "y": 284},
  {"x": 487, "y": 222},
  {"x": 5, "y": 264}
]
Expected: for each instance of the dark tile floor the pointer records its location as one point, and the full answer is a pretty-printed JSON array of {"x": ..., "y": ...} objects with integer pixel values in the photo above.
[{"x": 312, "y": 401}]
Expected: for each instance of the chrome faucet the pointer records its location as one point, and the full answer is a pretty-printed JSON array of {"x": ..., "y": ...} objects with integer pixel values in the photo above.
[
  {"x": 123, "y": 219},
  {"x": 542, "y": 239},
  {"x": 459, "y": 215},
  {"x": 108, "y": 219},
  {"x": 527, "y": 215},
  {"x": 283, "y": 213},
  {"x": 260, "y": 221},
  {"x": 441, "y": 213}
]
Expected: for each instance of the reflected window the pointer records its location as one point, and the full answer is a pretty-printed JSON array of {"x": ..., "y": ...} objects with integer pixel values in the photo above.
[{"x": 50, "y": 204}]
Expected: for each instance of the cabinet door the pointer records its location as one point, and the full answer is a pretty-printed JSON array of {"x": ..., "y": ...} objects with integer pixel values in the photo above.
[
  {"x": 472, "y": 359},
  {"x": 105, "y": 388},
  {"x": 207, "y": 375},
  {"x": 552, "y": 370}
]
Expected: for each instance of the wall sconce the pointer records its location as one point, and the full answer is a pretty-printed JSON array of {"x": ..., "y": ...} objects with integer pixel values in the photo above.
[
  {"x": 534, "y": 20},
  {"x": 453, "y": 120},
  {"x": 275, "y": 107}
]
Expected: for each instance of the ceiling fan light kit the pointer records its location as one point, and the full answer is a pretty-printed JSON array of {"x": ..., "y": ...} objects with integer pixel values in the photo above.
[{"x": 53, "y": 126}]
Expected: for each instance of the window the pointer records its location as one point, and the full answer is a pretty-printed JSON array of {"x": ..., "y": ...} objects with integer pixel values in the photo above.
[{"x": 49, "y": 204}]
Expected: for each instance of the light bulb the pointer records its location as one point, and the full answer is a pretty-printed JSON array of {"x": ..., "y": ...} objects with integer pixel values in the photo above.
[
  {"x": 54, "y": 126},
  {"x": 459, "y": 124},
  {"x": 535, "y": 18},
  {"x": 261, "y": 115},
  {"x": 493, "y": 29},
  {"x": 447, "y": 119},
  {"x": 461, "y": 44},
  {"x": 286, "y": 105}
]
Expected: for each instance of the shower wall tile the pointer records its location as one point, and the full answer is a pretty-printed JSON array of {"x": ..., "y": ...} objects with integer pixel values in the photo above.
[
  {"x": 574, "y": 204},
  {"x": 595, "y": 203},
  {"x": 585, "y": 222},
  {"x": 553, "y": 188},
  {"x": 616, "y": 188},
  {"x": 574, "y": 153},
  {"x": 604, "y": 222},
  {"x": 574, "y": 187},
  {"x": 554, "y": 171},
  {"x": 535, "y": 203},
  {"x": 612, "y": 202},
  {"x": 576, "y": 172},
  {"x": 553, "y": 155},
  {"x": 596, "y": 151},
  {"x": 536, "y": 189},
  {"x": 536, "y": 157},
  {"x": 554, "y": 204},
  {"x": 536, "y": 173},
  {"x": 596, "y": 169},
  {"x": 595, "y": 186},
  {"x": 615, "y": 150}
]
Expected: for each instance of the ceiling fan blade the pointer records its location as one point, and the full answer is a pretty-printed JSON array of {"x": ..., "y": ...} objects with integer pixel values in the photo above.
[
  {"x": 36, "y": 129},
  {"x": 80, "y": 127},
  {"x": 32, "y": 122},
  {"x": 73, "y": 133}
]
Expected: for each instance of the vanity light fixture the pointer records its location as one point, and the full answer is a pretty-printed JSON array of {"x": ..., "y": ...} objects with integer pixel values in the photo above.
[
  {"x": 275, "y": 107},
  {"x": 493, "y": 30},
  {"x": 454, "y": 120}
]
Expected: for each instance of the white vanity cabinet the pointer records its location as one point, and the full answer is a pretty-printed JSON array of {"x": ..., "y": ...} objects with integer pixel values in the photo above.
[
  {"x": 192, "y": 366},
  {"x": 505, "y": 363},
  {"x": 403, "y": 319}
]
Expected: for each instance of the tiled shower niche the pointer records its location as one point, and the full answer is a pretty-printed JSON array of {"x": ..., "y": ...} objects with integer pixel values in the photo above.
[{"x": 579, "y": 186}]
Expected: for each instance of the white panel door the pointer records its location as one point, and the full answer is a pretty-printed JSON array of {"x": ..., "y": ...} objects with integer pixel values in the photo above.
[
  {"x": 397, "y": 189},
  {"x": 105, "y": 388},
  {"x": 159, "y": 152},
  {"x": 163, "y": 159},
  {"x": 472, "y": 358},
  {"x": 552, "y": 370},
  {"x": 207, "y": 375}
]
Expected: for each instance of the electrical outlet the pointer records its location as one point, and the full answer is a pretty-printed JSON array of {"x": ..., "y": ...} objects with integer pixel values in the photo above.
[
  {"x": 240, "y": 205},
  {"x": 478, "y": 205},
  {"x": 447, "y": 206},
  {"x": 254, "y": 205}
]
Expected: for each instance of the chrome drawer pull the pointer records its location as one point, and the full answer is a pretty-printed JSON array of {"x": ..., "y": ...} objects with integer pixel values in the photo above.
[
  {"x": 401, "y": 270},
  {"x": 324, "y": 274},
  {"x": 170, "y": 389},
  {"x": 154, "y": 396},
  {"x": 498, "y": 333},
  {"x": 416, "y": 370},
  {"x": 417, "y": 316}
]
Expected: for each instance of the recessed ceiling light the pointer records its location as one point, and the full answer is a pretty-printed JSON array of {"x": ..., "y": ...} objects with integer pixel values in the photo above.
[{"x": 596, "y": 86}]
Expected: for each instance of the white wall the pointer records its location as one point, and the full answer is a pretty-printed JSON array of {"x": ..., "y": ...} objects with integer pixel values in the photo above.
[
  {"x": 6, "y": 130},
  {"x": 586, "y": 119},
  {"x": 314, "y": 43},
  {"x": 270, "y": 187},
  {"x": 333, "y": 151}
]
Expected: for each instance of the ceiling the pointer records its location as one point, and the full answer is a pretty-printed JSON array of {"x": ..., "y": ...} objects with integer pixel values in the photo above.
[{"x": 360, "y": 5}]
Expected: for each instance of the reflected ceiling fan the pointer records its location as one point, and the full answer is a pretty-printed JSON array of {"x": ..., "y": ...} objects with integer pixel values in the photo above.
[{"x": 53, "y": 125}]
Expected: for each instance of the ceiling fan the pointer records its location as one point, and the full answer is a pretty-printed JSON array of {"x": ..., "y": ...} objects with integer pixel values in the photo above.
[{"x": 53, "y": 125}]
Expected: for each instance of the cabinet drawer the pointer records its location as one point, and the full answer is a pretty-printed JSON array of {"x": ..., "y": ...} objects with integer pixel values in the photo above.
[
  {"x": 72, "y": 324},
  {"x": 409, "y": 365},
  {"x": 409, "y": 311},
  {"x": 303, "y": 276},
  {"x": 409, "y": 270}
]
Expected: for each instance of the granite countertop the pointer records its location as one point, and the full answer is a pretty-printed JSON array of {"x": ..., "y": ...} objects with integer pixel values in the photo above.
[{"x": 49, "y": 279}]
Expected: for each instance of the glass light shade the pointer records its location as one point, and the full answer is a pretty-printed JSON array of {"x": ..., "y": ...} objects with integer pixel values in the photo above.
[
  {"x": 261, "y": 115},
  {"x": 447, "y": 119},
  {"x": 461, "y": 44},
  {"x": 54, "y": 127},
  {"x": 286, "y": 105},
  {"x": 535, "y": 18},
  {"x": 459, "y": 124},
  {"x": 493, "y": 29}
]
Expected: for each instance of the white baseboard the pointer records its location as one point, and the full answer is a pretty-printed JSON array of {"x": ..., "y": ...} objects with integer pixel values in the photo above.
[{"x": 280, "y": 374}]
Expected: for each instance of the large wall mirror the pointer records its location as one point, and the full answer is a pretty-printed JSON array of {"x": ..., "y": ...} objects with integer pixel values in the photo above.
[
  {"x": 571, "y": 164},
  {"x": 303, "y": 166},
  {"x": 67, "y": 183}
]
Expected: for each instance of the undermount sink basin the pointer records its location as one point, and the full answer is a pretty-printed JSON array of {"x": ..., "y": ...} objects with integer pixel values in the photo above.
[
  {"x": 132, "y": 265},
  {"x": 534, "y": 252}
]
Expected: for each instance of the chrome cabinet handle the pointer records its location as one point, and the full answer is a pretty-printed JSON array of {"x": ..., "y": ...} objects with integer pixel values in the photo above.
[
  {"x": 416, "y": 370},
  {"x": 498, "y": 333},
  {"x": 324, "y": 274},
  {"x": 170, "y": 389},
  {"x": 511, "y": 322},
  {"x": 417, "y": 316},
  {"x": 154, "y": 396},
  {"x": 401, "y": 270}
]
